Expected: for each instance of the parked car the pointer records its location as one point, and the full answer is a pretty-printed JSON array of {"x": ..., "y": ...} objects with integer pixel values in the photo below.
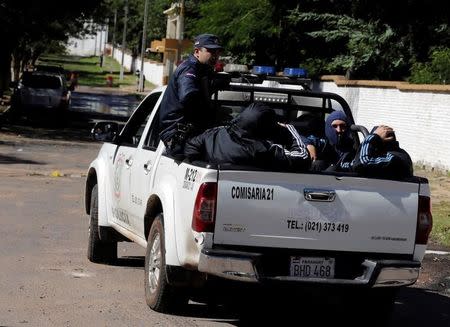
[
  {"x": 50, "y": 69},
  {"x": 40, "y": 93}
]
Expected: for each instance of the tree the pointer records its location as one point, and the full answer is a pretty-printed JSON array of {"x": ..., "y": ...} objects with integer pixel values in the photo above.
[
  {"x": 245, "y": 27},
  {"x": 31, "y": 26},
  {"x": 360, "y": 38},
  {"x": 436, "y": 71},
  {"x": 356, "y": 44}
]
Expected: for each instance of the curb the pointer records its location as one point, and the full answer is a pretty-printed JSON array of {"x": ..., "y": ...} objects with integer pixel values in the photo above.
[{"x": 437, "y": 252}]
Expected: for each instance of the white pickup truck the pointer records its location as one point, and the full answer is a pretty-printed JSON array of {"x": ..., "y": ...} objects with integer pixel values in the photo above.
[{"x": 198, "y": 220}]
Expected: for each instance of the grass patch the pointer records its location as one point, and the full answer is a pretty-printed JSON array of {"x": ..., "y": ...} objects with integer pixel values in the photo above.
[
  {"x": 90, "y": 73},
  {"x": 441, "y": 223}
]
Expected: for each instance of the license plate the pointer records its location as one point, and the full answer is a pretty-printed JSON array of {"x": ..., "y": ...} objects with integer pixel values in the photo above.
[{"x": 312, "y": 267}]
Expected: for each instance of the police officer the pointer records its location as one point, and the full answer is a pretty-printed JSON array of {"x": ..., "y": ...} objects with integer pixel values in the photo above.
[{"x": 185, "y": 110}]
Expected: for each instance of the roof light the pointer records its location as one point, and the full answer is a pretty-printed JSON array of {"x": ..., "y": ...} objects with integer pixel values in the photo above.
[
  {"x": 264, "y": 70},
  {"x": 295, "y": 72},
  {"x": 232, "y": 68}
]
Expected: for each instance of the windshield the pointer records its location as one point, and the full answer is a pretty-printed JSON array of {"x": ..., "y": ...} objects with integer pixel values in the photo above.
[{"x": 41, "y": 81}]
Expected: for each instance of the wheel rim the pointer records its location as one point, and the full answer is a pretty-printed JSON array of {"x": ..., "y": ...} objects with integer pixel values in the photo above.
[{"x": 154, "y": 264}]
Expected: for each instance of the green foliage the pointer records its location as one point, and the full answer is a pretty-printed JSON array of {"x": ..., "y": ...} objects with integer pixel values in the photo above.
[
  {"x": 436, "y": 71},
  {"x": 363, "y": 39},
  {"x": 244, "y": 27},
  {"x": 357, "y": 44},
  {"x": 31, "y": 27}
]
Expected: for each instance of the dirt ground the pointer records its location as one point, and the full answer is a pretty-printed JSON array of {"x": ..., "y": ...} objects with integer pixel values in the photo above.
[{"x": 439, "y": 183}]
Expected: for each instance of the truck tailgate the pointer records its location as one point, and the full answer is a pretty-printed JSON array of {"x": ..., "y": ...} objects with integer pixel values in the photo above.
[{"x": 322, "y": 212}]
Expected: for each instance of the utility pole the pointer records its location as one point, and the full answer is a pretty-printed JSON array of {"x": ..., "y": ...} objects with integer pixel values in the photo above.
[
  {"x": 124, "y": 40},
  {"x": 95, "y": 44},
  {"x": 106, "y": 38},
  {"x": 144, "y": 41},
  {"x": 180, "y": 31},
  {"x": 100, "y": 45},
  {"x": 113, "y": 41}
]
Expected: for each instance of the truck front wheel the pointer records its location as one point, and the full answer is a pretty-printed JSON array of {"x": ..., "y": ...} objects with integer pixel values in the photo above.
[
  {"x": 99, "y": 251},
  {"x": 159, "y": 294}
]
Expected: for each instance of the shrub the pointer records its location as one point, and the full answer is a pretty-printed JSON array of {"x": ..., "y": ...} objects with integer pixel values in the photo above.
[{"x": 436, "y": 71}]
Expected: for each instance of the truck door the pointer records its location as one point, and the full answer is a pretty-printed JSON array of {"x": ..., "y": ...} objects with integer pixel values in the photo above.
[
  {"x": 143, "y": 171},
  {"x": 129, "y": 144}
]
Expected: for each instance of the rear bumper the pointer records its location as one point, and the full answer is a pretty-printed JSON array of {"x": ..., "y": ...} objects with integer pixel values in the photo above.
[{"x": 245, "y": 266}]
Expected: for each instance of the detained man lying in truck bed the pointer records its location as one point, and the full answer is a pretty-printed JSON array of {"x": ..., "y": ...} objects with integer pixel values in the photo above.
[{"x": 250, "y": 140}]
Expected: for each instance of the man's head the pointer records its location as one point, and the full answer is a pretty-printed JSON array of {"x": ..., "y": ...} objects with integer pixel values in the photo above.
[
  {"x": 387, "y": 135},
  {"x": 207, "y": 49},
  {"x": 336, "y": 127},
  {"x": 257, "y": 121}
]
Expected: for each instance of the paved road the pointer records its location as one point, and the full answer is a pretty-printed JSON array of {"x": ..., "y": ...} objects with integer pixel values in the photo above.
[
  {"x": 46, "y": 280},
  {"x": 103, "y": 101}
]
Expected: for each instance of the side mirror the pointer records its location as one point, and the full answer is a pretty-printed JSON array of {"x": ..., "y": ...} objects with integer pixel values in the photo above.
[{"x": 105, "y": 131}]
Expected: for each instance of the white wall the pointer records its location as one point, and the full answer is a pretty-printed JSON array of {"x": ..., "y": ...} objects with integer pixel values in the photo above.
[
  {"x": 90, "y": 45},
  {"x": 421, "y": 120},
  {"x": 153, "y": 71}
]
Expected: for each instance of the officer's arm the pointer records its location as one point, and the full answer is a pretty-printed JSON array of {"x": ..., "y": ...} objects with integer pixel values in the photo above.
[{"x": 189, "y": 89}]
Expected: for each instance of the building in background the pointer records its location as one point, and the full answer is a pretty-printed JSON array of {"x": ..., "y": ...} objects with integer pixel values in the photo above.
[{"x": 173, "y": 45}]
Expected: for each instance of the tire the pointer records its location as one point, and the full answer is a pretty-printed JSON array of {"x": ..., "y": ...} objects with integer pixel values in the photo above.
[
  {"x": 159, "y": 294},
  {"x": 14, "y": 113},
  {"x": 99, "y": 251}
]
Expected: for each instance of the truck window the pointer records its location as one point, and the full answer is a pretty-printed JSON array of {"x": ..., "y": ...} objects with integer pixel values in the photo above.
[
  {"x": 152, "y": 138},
  {"x": 133, "y": 130}
]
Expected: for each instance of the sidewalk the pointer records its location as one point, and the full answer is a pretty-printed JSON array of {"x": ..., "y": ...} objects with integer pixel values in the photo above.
[{"x": 130, "y": 89}]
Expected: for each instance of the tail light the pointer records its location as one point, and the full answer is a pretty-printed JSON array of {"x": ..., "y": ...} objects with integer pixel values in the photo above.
[
  {"x": 424, "y": 220},
  {"x": 204, "y": 215}
]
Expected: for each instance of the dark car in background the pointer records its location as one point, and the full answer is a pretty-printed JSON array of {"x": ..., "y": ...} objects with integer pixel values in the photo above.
[
  {"x": 39, "y": 93},
  {"x": 50, "y": 69}
]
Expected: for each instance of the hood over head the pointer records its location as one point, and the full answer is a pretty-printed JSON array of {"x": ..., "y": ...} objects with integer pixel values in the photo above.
[
  {"x": 257, "y": 121},
  {"x": 330, "y": 132}
]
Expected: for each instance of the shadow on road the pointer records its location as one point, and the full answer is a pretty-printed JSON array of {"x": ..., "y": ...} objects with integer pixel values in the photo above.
[
  {"x": 130, "y": 261},
  {"x": 75, "y": 131},
  {"x": 421, "y": 307},
  {"x": 414, "y": 308},
  {"x": 5, "y": 159}
]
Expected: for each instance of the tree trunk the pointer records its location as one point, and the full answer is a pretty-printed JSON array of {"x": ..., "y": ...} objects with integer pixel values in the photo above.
[{"x": 5, "y": 69}]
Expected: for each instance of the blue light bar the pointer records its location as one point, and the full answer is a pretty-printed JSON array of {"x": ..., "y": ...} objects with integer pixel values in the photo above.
[
  {"x": 295, "y": 72},
  {"x": 264, "y": 70}
]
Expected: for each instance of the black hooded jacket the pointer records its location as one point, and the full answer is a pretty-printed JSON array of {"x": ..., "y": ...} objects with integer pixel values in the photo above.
[
  {"x": 376, "y": 158},
  {"x": 249, "y": 140}
]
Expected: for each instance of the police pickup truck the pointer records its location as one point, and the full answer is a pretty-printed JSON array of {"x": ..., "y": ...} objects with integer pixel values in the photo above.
[{"x": 200, "y": 221}]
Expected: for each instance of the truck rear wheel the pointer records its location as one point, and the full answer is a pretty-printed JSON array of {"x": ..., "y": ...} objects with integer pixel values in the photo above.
[
  {"x": 99, "y": 251},
  {"x": 159, "y": 294}
]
